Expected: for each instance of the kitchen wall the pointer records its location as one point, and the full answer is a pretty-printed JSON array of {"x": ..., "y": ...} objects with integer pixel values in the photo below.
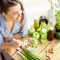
[{"x": 35, "y": 8}]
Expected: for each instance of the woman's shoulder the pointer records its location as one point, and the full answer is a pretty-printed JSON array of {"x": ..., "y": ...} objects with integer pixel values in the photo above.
[
  {"x": 1, "y": 20},
  {"x": 2, "y": 24},
  {"x": 1, "y": 17}
]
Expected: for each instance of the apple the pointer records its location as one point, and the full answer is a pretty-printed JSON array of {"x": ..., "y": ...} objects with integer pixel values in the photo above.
[
  {"x": 38, "y": 30},
  {"x": 36, "y": 35},
  {"x": 44, "y": 25},
  {"x": 31, "y": 30}
]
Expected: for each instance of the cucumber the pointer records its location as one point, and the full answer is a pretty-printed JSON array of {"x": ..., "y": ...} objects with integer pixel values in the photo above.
[
  {"x": 27, "y": 54},
  {"x": 23, "y": 56},
  {"x": 30, "y": 55}
]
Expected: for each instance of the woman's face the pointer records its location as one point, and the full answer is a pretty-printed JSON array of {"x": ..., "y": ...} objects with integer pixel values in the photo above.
[{"x": 14, "y": 12}]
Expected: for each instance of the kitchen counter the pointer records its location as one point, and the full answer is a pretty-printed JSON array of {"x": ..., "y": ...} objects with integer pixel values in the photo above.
[{"x": 50, "y": 50}]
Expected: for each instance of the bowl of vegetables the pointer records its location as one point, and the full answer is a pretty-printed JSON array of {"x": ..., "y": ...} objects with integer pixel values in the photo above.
[{"x": 30, "y": 43}]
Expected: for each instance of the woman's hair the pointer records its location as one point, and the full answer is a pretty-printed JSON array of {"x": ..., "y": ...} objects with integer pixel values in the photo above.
[{"x": 6, "y": 4}]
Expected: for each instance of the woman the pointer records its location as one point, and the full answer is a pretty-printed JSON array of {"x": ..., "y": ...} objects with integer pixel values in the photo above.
[{"x": 12, "y": 23}]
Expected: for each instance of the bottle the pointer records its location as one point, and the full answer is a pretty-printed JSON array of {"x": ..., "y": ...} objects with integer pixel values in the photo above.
[
  {"x": 51, "y": 34},
  {"x": 36, "y": 23},
  {"x": 43, "y": 19},
  {"x": 44, "y": 36}
]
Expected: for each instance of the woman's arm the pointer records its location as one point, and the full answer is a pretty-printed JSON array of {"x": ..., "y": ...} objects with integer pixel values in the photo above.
[
  {"x": 7, "y": 45},
  {"x": 17, "y": 36},
  {"x": 14, "y": 36},
  {"x": 24, "y": 31}
]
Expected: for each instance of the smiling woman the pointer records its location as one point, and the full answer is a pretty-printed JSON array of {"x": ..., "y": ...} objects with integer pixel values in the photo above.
[{"x": 12, "y": 24}]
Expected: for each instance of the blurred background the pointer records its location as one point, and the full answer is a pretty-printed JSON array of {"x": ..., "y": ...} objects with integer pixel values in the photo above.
[{"x": 35, "y": 8}]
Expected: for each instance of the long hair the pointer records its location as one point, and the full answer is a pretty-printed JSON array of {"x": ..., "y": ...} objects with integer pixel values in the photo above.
[{"x": 6, "y": 4}]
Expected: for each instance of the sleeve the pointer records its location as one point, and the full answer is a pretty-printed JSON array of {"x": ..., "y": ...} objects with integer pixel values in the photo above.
[
  {"x": 1, "y": 39},
  {"x": 24, "y": 32}
]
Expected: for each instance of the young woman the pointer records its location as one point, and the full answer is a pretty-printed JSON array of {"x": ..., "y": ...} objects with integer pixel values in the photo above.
[{"x": 12, "y": 23}]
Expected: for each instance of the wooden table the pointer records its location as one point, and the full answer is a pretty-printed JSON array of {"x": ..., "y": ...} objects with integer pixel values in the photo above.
[{"x": 41, "y": 50}]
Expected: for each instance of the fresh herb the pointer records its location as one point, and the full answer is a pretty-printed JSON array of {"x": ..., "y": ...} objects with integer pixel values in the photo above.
[{"x": 57, "y": 15}]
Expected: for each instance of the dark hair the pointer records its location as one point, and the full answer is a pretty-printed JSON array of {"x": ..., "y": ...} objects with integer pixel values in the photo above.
[{"x": 6, "y": 4}]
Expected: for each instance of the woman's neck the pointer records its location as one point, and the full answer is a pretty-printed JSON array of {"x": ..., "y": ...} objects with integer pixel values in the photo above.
[{"x": 9, "y": 24}]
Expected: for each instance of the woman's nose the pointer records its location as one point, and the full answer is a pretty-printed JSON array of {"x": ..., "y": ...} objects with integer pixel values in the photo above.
[{"x": 19, "y": 13}]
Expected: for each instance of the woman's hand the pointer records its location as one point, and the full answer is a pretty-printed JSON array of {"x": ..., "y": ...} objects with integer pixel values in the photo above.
[
  {"x": 7, "y": 45},
  {"x": 17, "y": 36},
  {"x": 14, "y": 44},
  {"x": 7, "y": 39}
]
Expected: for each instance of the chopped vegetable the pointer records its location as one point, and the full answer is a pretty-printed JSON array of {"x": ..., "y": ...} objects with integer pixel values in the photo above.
[{"x": 29, "y": 55}]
